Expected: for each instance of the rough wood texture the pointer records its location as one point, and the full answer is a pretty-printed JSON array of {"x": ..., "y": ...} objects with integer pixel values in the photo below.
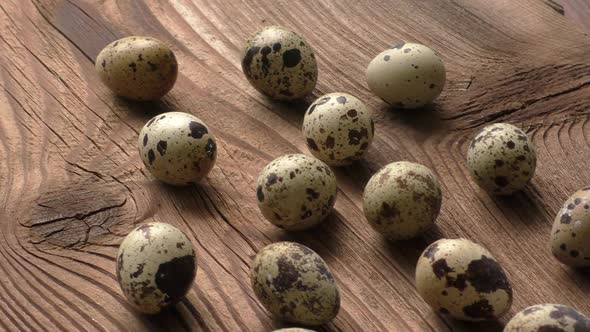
[
  {"x": 579, "y": 11},
  {"x": 73, "y": 185}
]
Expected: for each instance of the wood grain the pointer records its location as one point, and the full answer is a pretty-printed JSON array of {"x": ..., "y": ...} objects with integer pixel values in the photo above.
[
  {"x": 73, "y": 185},
  {"x": 578, "y": 11}
]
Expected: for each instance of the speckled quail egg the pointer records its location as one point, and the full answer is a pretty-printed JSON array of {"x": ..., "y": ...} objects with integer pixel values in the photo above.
[
  {"x": 156, "y": 266},
  {"x": 280, "y": 64},
  {"x": 501, "y": 159},
  {"x": 295, "y": 191},
  {"x": 570, "y": 236},
  {"x": 548, "y": 318},
  {"x": 139, "y": 68},
  {"x": 293, "y": 329},
  {"x": 462, "y": 279},
  {"x": 295, "y": 284},
  {"x": 177, "y": 148},
  {"x": 407, "y": 75},
  {"x": 402, "y": 200},
  {"x": 338, "y": 128}
]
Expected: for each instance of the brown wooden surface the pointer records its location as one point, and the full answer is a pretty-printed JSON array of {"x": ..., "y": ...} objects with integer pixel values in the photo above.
[
  {"x": 578, "y": 11},
  {"x": 72, "y": 184}
]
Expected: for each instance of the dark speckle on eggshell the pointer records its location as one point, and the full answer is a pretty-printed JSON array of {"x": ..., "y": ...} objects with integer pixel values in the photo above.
[
  {"x": 151, "y": 156},
  {"x": 479, "y": 309},
  {"x": 312, "y": 144},
  {"x": 211, "y": 148},
  {"x": 174, "y": 278},
  {"x": 197, "y": 130},
  {"x": 162, "y": 145},
  {"x": 291, "y": 58},
  {"x": 260, "y": 193}
]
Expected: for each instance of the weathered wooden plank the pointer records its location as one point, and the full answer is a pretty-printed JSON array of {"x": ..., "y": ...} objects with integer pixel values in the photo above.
[
  {"x": 578, "y": 11},
  {"x": 72, "y": 184}
]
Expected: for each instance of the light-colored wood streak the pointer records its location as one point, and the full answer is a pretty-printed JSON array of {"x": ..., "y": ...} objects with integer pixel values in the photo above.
[
  {"x": 72, "y": 184},
  {"x": 578, "y": 11}
]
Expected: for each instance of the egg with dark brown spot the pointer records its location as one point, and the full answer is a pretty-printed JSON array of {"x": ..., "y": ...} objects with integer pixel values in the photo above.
[
  {"x": 570, "y": 235},
  {"x": 402, "y": 200},
  {"x": 459, "y": 278},
  {"x": 280, "y": 64},
  {"x": 177, "y": 148},
  {"x": 338, "y": 129},
  {"x": 501, "y": 159},
  {"x": 548, "y": 318},
  {"x": 294, "y": 284},
  {"x": 296, "y": 192},
  {"x": 156, "y": 266},
  {"x": 138, "y": 68}
]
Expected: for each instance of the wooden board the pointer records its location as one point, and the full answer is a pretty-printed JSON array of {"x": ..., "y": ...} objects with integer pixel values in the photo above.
[
  {"x": 72, "y": 184},
  {"x": 578, "y": 11}
]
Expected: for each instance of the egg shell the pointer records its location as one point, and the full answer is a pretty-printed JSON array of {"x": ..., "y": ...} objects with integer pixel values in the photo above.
[
  {"x": 177, "y": 148},
  {"x": 338, "y": 129},
  {"x": 293, "y": 329},
  {"x": 548, "y": 318},
  {"x": 294, "y": 284},
  {"x": 295, "y": 192},
  {"x": 138, "y": 68},
  {"x": 408, "y": 75},
  {"x": 570, "y": 235},
  {"x": 280, "y": 64},
  {"x": 463, "y": 280},
  {"x": 402, "y": 200},
  {"x": 156, "y": 266},
  {"x": 501, "y": 159}
]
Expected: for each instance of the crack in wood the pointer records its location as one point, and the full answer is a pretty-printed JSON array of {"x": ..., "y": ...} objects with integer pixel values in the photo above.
[
  {"x": 555, "y": 6},
  {"x": 78, "y": 216}
]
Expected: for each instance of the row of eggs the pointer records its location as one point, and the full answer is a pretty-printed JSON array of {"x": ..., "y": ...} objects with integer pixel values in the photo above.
[
  {"x": 277, "y": 62},
  {"x": 156, "y": 262}
]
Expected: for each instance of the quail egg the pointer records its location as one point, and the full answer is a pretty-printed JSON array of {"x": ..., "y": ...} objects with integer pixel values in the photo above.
[
  {"x": 139, "y": 68},
  {"x": 156, "y": 266},
  {"x": 570, "y": 236},
  {"x": 293, "y": 329},
  {"x": 548, "y": 318},
  {"x": 280, "y": 64},
  {"x": 407, "y": 75},
  {"x": 338, "y": 129},
  {"x": 402, "y": 200},
  {"x": 501, "y": 159},
  {"x": 177, "y": 148},
  {"x": 295, "y": 191},
  {"x": 463, "y": 280},
  {"x": 295, "y": 284}
]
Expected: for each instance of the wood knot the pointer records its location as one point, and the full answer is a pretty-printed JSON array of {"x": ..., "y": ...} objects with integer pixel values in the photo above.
[{"x": 74, "y": 215}]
